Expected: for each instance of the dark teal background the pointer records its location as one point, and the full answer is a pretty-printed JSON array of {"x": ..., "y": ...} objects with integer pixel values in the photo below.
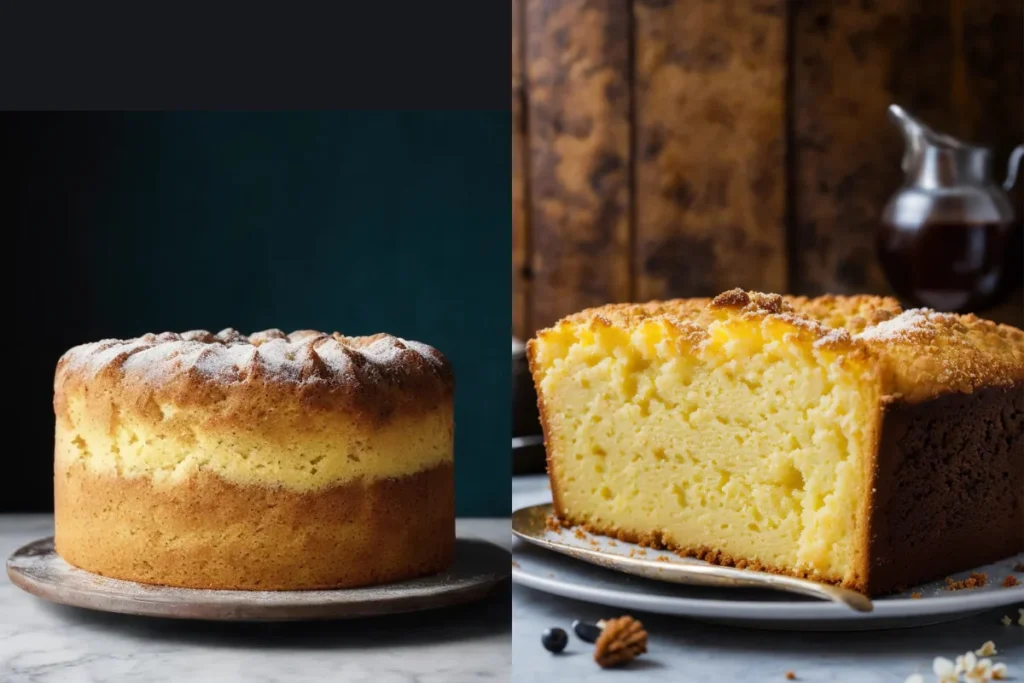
[{"x": 367, "y": 222}]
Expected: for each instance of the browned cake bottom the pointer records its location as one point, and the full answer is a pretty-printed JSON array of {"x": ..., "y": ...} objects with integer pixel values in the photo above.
[{"x": 209, "y": 533}]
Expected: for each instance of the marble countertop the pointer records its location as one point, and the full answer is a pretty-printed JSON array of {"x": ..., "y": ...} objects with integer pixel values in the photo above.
[
  {"x": 682, "y": 650},
  {"x": 45, "y": 643}
]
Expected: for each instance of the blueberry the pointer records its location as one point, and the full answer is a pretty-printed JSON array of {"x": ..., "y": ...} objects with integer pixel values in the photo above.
[
  {"x": 586, "y": 631},
  {"x": 554, "y": 639}
]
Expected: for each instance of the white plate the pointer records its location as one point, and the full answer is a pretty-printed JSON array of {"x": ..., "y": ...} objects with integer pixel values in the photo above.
[{"x": 560, "y": 575}]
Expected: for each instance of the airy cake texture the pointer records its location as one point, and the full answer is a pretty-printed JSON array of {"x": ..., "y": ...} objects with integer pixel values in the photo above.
[
  {"x": 269, "y": 462},
  {"x": 839, "y": 439}
]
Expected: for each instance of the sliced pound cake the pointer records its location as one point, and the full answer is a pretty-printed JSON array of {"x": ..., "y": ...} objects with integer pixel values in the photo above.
[{"x": 839, "y": 439}]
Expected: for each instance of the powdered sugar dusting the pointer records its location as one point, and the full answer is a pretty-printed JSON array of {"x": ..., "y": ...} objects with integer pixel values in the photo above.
[
  {"x": 906, "y": 325},
  {"x": 836, "y": 336},
  {"x": 229, "y": 356}
]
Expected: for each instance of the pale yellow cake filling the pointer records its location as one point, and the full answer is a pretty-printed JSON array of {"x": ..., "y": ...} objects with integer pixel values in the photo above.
[
  {"x": 324, "y": 453},
  {"x": 742, "y": 442}
]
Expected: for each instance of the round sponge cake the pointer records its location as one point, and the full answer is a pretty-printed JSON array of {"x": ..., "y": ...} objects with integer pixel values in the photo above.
[{"x": 267, "y": 462}]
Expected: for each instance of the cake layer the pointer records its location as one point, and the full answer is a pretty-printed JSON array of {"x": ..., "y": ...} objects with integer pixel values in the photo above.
[
  {"x": 288, "y": 447},
  {"x": 206, "y": 532}
]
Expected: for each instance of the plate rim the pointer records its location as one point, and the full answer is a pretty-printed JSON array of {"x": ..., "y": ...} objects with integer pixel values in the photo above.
[
  {"x": 747, "y": 610},
  {"x": 780, "y": 610},
  {"x": 416, "y": 599}
]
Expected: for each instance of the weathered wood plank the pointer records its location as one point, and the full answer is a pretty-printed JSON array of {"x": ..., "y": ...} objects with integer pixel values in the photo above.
[
  {"x": 988, "y": 72},
  {"x": 520, "y": 181},
  {"x": 990, "y": 100},
  {"x": 710, "y": 162},
  {"x": 577, "y": 57},
  {"x": 850, "y": 61}
]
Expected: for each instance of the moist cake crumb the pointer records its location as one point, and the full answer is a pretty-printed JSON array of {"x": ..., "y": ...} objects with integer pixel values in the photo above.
[
  {"x": 790, "y": 676},
  {"x": 915, "y": 596},
  {"x": 975, "y": 580},
  {"x": 1019, "y": 567},
  {"x": 1010, "y": 581},
  {"x": 579, "y": 534},
  {"x": 1006, "y": 621},
  {"x": 552, "y": 523},
  {"x": 661, "y": 558}
]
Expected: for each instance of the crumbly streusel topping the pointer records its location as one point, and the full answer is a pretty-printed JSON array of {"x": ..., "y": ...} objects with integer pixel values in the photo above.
[{"x": 922, "y": 353}]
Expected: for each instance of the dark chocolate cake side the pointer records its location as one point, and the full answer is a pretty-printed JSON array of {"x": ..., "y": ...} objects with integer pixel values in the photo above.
[{"x": 948, "y": 487}]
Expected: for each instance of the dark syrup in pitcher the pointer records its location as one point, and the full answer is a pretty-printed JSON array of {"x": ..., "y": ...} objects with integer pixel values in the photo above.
[{"x": 958, "y": 267}]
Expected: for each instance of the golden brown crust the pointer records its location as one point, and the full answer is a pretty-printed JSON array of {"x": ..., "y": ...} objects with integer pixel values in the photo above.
[
  {"x": 928, "y": 354},
  {"x": 210, "y": 533},
  {"x": 852, "y": 313},
  {"x": 658, "y": 541},
  {"x": 370, "y": 379},
  {"x": 545, "y": 425},
  {"x": 922, "y": 353}
]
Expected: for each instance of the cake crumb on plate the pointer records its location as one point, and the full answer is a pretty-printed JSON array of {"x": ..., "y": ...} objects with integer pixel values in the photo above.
[{"x": 975, "y": 580}]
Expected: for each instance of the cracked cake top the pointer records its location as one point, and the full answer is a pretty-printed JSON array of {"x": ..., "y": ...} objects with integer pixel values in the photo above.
[
  {"x": 922, "y": 353},
  {"x": 375, "y": 375}
]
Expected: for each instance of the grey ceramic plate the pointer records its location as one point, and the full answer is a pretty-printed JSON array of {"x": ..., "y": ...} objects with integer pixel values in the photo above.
[
  {"x": 567, "y": 576},
  {"x": 479, "y": 569}
]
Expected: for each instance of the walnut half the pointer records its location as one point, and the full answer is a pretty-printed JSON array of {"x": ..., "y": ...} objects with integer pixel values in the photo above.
[{"x": 621, "y": 641}]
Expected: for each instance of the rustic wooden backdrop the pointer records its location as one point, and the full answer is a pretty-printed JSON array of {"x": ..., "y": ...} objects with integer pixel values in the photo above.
[{"x": 682, "y": 147}]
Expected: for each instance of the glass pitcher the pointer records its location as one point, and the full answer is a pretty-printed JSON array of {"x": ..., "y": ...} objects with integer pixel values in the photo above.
[{"x": 949, "y": 234}]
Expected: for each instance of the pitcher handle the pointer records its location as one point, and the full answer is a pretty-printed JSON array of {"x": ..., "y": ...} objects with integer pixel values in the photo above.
[{"x": 1012, "y": 166}]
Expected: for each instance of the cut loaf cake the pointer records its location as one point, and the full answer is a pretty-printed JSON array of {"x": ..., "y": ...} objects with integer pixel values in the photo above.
[{"x": 839, "y": 439}]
